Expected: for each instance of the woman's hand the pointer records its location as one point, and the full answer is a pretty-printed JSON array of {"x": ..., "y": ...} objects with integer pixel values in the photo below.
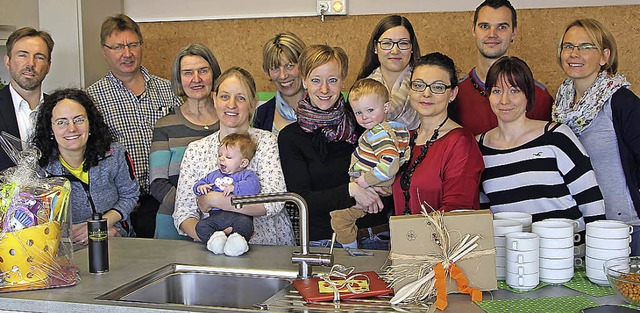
[
  {"x": 79, "y": 234},
  {"x": 366, "y": 198}
]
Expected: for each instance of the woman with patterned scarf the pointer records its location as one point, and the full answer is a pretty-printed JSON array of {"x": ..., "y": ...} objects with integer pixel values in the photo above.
[
  {"x": 596, "y": 103},
  {"x": 316, "y": 151}
]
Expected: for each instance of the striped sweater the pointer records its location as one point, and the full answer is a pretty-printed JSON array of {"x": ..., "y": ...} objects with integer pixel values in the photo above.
[
  {"x": 380, "y": 153},
  {"x": 171, "y": 136},
  {"x": 549, "y": 176}
]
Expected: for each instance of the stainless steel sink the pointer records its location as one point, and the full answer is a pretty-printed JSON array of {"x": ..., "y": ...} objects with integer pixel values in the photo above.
[{"x": 203, "y": 286}]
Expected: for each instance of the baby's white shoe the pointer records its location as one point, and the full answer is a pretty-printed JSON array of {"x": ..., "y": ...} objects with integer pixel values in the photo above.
[
  {"x": 217, "y": 242},
  {"x": 236, "y": 245}
]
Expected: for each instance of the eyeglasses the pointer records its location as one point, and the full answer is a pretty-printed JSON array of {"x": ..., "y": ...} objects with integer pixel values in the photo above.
[
  {"x": 436, "y": 88},
  {"x": 565, "y": 47},
  {"x": 387, "y": 44},
  {"x": 120, "y": 47},
  {"x": 63, "y": 122}
]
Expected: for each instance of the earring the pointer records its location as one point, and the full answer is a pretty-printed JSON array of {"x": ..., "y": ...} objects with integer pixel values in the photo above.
[{"x": 51, "y": 137}]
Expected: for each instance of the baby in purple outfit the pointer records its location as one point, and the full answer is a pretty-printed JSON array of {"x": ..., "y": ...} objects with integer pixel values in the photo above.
[{"x": 232, "y": 177}]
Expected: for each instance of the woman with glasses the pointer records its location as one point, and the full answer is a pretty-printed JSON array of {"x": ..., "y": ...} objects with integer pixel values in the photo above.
[
  {"x": 445, "y": 166},
  {"x": 195, "y": 70},
  {"x": 280, "y": 61},
  {"x": 390, "y": 51},
  {"x": 76, "y": 144},
  {"x": 596, "y": 103},
  {"x": 532, "y": 166},
  {"x": 315, "y": 152}
]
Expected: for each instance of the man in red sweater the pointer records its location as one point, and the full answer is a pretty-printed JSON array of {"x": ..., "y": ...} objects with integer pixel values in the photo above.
[{"x": 495, "y": 26}]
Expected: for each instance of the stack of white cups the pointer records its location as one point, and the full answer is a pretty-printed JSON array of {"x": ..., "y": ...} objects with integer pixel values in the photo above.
[
  {"x": 606, "y": 239},
  {"x": 522, "y": 260},
  {"x": 556, "y": 250},
  {"x": 500, "y": 229},
  {"x": 524, "y": 218},
  {"x": 578, "y": 251}
]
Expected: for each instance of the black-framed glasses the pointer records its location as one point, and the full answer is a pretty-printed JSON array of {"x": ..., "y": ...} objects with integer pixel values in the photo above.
[
  {"x": 120, "y": 47},
  {"x": 387, "y": 44},
  {"x": 566, "y": 47},
  {"x": 436, "y": 88}
]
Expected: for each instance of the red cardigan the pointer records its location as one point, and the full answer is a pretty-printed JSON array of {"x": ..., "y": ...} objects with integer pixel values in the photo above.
[{"x": 449, "y": 176}]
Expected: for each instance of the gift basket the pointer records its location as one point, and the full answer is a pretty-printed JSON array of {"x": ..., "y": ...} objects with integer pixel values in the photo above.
[{"x": 35, "y": 248}]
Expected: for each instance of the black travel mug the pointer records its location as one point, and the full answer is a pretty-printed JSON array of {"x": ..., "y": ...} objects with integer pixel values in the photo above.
[{"x": 98, "y": 244}]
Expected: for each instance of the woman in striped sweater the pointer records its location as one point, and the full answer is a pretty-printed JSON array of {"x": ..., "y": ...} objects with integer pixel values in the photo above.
[{"x": 531, "y": 166}]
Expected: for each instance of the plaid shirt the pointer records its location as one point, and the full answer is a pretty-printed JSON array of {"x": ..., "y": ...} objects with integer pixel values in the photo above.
[{"x": 131, "y": 119}]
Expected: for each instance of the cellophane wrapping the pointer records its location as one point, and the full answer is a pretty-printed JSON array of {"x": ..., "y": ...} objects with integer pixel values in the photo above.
[{"x": 36, "y": 251}]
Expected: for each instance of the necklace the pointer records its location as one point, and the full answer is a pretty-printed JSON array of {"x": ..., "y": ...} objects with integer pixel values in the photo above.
[
  {"x": 477, "y": 87},
  {"x": 407, "y": 172}
]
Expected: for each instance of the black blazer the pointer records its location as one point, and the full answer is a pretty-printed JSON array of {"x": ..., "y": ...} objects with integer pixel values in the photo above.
[{"x": 8, "y": 123}]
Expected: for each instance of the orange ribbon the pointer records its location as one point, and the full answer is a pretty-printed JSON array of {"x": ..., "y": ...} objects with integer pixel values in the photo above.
[
  {"x": 441, "y": 287},
  {"x": 461, "y": 280}
]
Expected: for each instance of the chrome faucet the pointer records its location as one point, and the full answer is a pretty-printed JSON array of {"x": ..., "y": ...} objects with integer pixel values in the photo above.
[{"x": 304, "y": 259}]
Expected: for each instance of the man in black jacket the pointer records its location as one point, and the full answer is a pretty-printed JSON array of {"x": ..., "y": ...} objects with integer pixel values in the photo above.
[{"x": 28, "y": 61}]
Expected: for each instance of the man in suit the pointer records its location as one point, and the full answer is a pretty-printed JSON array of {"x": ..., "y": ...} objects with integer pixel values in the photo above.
[{"x": 28, "y": 61}]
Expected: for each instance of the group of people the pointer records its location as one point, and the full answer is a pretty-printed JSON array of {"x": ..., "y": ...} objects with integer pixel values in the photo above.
[{"x": 160, "y": 158}]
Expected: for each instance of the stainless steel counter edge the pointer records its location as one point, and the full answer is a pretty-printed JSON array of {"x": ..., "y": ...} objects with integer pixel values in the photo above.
[{"x": 131, "y": 258}]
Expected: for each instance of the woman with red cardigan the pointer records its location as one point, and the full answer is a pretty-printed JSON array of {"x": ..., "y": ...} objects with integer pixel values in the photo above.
[{"x": 446, "y": 164}]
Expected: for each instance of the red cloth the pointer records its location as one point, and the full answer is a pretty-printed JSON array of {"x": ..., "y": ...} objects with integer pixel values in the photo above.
[
  {"x": 449, "y": 176},
  {"x": 474, "y": 111}
]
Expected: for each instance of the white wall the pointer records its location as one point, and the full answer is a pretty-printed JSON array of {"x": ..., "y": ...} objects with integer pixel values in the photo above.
[
  {"x": 19, "y": 13},
  {"x": 172, "y": 10}
]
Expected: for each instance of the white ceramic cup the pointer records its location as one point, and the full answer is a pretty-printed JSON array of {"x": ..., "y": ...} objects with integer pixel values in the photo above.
[
  {"x": 597, "y": 274},
  {"x": 607, "y": 254},
  {"x": 503, "y": 227},
  {"x": 557, "y": 263},
  {"x": 608, "y": 243},
  {"x": 501, "y": 252},
  {"x": 574, "y": 223},
  {"x": 502, "y": 262},
  {"x": 609, "y": 229},
  {"x": 500, "y": 241},
  {"x": 579, "y": 250},
  {"x": 522, "y": 282},
  {"x": 522, "y": 241},
  {"x": 552, "y": 229},
  {"x": 556, "y": 243},
  {"x": 559, "y": 253},
  {"x": 522, "y": 256},
  {"x": 522, "y": 268},
  {"x": 524, "y": 218},
  {"x": 594, "y": 263},
  {"x": 556, "y": 275}
]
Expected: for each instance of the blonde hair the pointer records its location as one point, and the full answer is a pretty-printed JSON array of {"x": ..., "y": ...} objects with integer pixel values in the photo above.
[
  {"x": 600, "y": 36},
  {"x": 285, "y": 45},
  {"x": 241, "y": 141},
  {"x": 368, "y": 86},
  {"x": 315, "y": 56}
]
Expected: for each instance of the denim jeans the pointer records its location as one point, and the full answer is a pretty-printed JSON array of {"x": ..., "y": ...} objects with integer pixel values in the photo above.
[
  {"x": 218, "y": 220},
  {"x": 373, "y": 242}
]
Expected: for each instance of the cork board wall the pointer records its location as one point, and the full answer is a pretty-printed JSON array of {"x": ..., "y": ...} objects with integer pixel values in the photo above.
[{"x": 239, "y": 42}]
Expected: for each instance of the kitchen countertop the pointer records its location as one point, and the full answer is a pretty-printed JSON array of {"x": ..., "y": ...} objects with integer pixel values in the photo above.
[{"x": 131, "y": 258}]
